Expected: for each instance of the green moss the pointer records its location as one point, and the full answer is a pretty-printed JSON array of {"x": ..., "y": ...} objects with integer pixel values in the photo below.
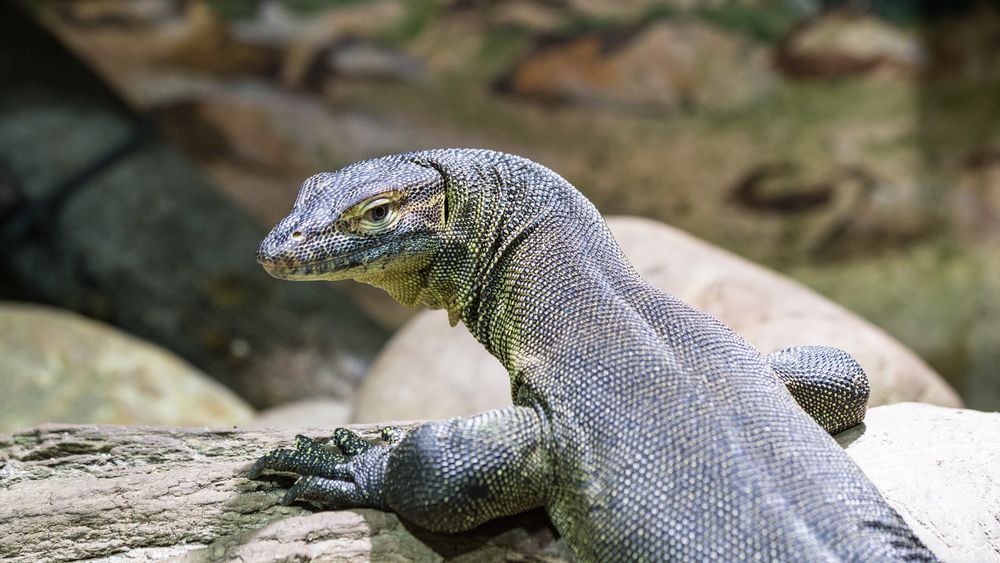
[
  {"x": 767, "y": 23},
  {"x": 499, "y": 50},
  {"x": 958, "y": 117},
  {"x": 812, "y": 103},
  {"x": 233, "y": 9},
  {"x": 419, "y": 14},
  {"x": 311, "y": 7},
  {"x": 576, "y": 23},
  {"x": 580, "y": 24},
  {"x": 246, "y": 9}
]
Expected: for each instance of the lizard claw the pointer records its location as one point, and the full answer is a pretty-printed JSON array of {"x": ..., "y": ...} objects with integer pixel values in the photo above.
[{"x": 292, "y": 493}]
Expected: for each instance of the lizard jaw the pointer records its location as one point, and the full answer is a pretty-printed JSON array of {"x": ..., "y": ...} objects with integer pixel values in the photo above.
[{"x": 338, "y": 268}]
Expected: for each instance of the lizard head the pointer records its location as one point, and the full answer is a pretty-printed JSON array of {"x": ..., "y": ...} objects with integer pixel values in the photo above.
[
  {"x": 429, "y": 227},
  {"x": 378, "y": 221}
]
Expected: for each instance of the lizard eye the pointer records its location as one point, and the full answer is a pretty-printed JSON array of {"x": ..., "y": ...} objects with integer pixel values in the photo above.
[{"x": 378, "y": 215}]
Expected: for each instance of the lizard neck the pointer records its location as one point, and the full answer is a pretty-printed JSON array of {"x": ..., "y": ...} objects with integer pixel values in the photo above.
[
  {"x": 538, "y": 282},
  {"x": 495, "y": 202},
  {"x": 512, "y": 224}
]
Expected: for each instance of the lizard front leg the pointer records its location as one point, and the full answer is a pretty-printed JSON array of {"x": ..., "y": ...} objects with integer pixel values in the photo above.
[{"x": 444, "y": 476}]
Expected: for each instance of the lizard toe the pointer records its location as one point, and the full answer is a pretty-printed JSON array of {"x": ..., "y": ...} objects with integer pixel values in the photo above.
[
  {"x": 349, "y": 442},
  {"x": 308, "y": 458},
  {"x": 325, "y": 493}
]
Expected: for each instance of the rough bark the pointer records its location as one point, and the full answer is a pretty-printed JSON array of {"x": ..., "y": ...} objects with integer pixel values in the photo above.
[{"x": 121, "y": 493}]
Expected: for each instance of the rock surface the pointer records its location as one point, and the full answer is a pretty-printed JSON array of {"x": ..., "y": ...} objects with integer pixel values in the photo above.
[
  {"x": 772, "y": 311},
  {"x": 844, "y": 44},
  {"x": 940, "y": 468},
  {"x": 664, "y": 65},
  {"x": 429, "y": 370},
  {"x": 61, "y": 367},
  {"x": 308, "y": 413},
  {"x": 110, "y": 492}
]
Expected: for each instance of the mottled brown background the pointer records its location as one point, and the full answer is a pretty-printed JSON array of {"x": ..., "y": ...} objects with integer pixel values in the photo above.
[{"x": 852, "y": 145}]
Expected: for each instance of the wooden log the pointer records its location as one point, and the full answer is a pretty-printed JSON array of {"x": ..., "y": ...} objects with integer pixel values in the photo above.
[{"x": 119, "y": 492}]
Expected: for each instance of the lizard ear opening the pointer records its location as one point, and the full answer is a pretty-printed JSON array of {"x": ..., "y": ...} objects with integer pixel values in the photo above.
[
  {"x": 447, "y": 191},
  {"x": 448, "y": 199},
  {"x": 447, "y": 188}
]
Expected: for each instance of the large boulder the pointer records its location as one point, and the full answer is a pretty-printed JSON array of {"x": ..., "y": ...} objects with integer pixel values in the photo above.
[
  {"x": 61, "y": 367},
  {"x": 119, "y": 37},
  {"x": 428, "y": 370},
  {"x": 633, "y": 9},
  {"x": 940, "y": 469},
  {"x": 665, "y": 65},
  {"x": 82, "y": 492},
  {"x": 307, "y": 413},
  {"x": 847, "y": 44}
]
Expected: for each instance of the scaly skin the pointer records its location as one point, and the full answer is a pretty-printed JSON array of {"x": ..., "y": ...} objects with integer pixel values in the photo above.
[{"x": 648, "y": 430}]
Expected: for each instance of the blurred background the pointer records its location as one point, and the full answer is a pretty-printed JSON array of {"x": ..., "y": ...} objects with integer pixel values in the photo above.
[{"x": 146, "y": 147}]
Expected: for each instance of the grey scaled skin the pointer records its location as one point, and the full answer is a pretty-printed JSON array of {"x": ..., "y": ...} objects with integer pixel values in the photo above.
[{"x": 648, "y": 430}]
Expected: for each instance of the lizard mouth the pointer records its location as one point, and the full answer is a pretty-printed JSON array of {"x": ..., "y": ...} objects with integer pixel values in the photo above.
[
  {"x": 371, "y": 260},
  {"x": 337, "y": 268}
]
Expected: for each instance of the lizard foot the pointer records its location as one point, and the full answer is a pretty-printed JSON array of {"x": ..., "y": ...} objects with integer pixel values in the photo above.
[{"x": 351, "y": 478}]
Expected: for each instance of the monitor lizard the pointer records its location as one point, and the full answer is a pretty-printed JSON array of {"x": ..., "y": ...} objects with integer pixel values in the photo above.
[{"x": 647, "y": 429}]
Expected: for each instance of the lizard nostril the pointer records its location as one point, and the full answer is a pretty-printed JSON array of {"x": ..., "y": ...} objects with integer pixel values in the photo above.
[{"x": 297, "y": 236}]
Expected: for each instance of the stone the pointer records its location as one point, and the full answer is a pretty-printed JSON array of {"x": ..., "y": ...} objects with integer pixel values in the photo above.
[
  {"x": 307, "y": 413},
  {"x": 831, "y": 211},
  {"x": 603, "y": 9},
  {"x": 306, "y": 41},
  {"x": 538, "y": 17},
  {"x": 847, "y": 44},
  {"x": 429, "y": 370},
  {"x": 118, "y": 38},
  {"x": 60, "y": 367},
  {"x": 231, "y": 128},
  {"x": 940, "y": 469},
  {"x": 327, "y": 67},
  {"x": 356, "y": 60},
  {"x": 665, "y": 65}
]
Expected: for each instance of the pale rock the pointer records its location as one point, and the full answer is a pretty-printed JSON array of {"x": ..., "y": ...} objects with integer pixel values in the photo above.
[
  {"x": 307, "y": 413},
  {"x": 844, "y": 44},
  {"x": 940, "y": 469},
  {"x": 61, "y": 367}
]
